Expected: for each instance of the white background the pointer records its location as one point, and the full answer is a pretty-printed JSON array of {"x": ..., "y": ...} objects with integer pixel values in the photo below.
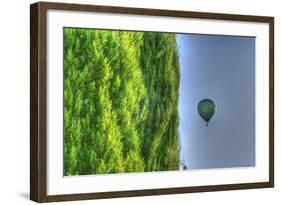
[{"x": 14, "y": 101}]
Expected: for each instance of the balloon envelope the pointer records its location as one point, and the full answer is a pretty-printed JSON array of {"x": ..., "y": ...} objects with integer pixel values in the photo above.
[{"x": 206, "y": 109}]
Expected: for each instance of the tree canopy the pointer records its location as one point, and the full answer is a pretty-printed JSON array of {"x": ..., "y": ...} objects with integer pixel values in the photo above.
[{"x": 121, "y": 93}]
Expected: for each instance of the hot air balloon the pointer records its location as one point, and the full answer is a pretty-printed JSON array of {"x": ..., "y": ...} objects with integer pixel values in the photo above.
[{"x": 206, "y": 109}]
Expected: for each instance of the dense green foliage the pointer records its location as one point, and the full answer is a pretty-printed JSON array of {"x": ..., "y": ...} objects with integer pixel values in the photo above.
[{"x": 121, "y": 94}]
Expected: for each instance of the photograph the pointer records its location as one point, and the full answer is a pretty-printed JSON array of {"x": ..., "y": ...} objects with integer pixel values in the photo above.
[
  {"x": 129, "y": 102},
  {"x": 143, "y": 101}
]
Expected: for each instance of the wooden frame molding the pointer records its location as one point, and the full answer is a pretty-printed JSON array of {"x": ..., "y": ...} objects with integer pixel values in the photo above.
[{"x": 38, "y": 111}]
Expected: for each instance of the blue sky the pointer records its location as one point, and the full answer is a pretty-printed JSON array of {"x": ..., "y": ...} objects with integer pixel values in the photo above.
[{"x": 221, "y": 68}]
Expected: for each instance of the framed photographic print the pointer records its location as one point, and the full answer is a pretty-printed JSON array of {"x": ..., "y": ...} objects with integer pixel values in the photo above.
[{"x": 133, "y": 102}]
